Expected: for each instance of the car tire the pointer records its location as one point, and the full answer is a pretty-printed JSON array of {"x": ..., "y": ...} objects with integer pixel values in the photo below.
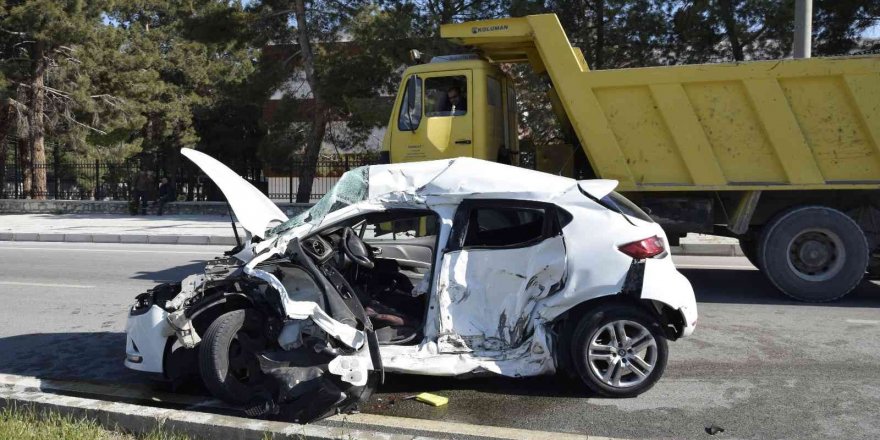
[
  {"x": 229, "y": 365},
  {"x": 813, "y": 253},
  {"x": 639, "y": 326}
]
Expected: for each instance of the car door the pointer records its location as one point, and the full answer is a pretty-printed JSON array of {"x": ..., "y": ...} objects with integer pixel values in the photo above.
[{"x": 503, "y": 257}]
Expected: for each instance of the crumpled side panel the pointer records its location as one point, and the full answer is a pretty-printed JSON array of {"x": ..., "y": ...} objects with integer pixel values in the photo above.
[{"x": 502, "y": 284}]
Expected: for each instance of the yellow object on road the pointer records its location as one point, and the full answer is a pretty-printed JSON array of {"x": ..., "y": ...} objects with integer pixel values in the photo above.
[{"x": 432, "y": 399}]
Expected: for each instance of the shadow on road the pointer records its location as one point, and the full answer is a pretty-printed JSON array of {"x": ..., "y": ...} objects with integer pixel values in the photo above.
[
  {"x": 751, "y": 287},
  {"x": 172, "y": 274},
  {"x": 81, "y": 356}
]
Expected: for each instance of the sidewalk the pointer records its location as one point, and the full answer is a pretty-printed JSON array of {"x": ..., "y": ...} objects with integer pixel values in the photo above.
[
  {"x": 114, "y": 228},
  {"x": 208, "y": 229}
]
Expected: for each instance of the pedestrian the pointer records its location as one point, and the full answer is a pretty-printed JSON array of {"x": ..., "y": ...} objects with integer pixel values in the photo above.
[
  {"x": 143, "y": 183},
  {"x": 167, "y": 193}
]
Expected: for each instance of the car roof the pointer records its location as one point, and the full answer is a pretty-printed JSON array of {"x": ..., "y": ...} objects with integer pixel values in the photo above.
[{"x": 466, "y": 177}]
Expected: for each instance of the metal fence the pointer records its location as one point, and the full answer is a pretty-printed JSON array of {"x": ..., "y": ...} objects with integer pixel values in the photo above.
[
  {"x": 283, "y": 181},
  {"x": 114, "y": 180}
]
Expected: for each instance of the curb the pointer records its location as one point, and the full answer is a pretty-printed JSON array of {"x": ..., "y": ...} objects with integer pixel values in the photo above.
[
  {"x": 119, "y": 238},
  {"x": 145, "y": 419},
  {"x": 80, "y": 399},
  {"x": 708, "y": 249}
]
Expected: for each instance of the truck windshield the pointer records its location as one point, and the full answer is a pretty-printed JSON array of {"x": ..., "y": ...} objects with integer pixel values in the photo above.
[{"x": 351, "y": 188}]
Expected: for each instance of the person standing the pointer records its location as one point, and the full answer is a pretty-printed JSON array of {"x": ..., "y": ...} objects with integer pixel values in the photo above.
[
  {"x": 167, "y": 193},
  {"x": 143, "y": 183}
]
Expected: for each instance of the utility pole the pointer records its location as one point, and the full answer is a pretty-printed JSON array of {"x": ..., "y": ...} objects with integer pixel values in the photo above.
[{"x": 803, "y": 28}]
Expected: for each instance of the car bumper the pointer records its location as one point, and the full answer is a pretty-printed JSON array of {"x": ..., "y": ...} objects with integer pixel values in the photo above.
[
  {"x": 664, "y": 283},
  {"x": 146, "y": 337}
]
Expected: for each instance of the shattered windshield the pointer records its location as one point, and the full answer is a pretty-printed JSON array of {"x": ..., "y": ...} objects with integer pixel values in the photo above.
[{"x": 351, "y": 188}]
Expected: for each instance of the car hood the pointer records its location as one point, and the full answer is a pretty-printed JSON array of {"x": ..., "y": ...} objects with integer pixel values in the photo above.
[{"x": 254, "y": 211}]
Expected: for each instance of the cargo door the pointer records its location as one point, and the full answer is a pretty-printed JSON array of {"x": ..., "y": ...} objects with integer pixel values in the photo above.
[
  {"x": 434, "y": 120},
  {"x": 503, "y": 258}
]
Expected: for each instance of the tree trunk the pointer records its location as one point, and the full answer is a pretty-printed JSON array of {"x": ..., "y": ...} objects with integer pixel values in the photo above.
[
  {"x": 727, "y": 14},
  {"x": 319, "y": 113},
  {"x": 37, "y": 138},
  {"x": 600, "y": 34}
]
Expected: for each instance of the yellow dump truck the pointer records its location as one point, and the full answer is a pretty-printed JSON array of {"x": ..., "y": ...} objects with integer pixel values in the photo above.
[{"x": 783, "y": 155}]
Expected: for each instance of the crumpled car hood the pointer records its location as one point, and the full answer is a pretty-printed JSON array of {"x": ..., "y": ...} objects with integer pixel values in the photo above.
[{"x": 253, "y": 209}]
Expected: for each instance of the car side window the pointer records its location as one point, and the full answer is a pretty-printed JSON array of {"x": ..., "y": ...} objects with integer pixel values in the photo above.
[
  {"x": 402, "y": 228},
  {"x": 504, "y": 226}
]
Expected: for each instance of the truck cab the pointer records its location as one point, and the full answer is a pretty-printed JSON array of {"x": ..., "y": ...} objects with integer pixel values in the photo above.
[{"x": 457, "y": 105}]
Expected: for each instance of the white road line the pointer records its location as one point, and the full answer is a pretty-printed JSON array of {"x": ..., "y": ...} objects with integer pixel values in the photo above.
[
  {"x": 863, "y": 321},
  {"x": 66, "y": 286},
  {"x": 134, "y": 251}
]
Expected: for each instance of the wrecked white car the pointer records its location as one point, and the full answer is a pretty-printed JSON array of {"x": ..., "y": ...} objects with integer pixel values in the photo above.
[{"x": 444, "y": 268}]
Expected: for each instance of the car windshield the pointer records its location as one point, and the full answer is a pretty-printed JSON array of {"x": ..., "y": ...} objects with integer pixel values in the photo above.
[{"x": 351, "y": 188}]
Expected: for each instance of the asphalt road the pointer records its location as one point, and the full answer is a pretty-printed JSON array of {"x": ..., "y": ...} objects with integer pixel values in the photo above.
[{"x": 758, "y": 365}]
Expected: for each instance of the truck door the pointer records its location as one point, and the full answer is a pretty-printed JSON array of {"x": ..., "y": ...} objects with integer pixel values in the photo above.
[{"x": 434, "y": 120}]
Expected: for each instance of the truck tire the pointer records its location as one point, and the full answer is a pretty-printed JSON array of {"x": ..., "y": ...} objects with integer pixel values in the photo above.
[
  {"x": 813, "y": 253},
  {"x": 615, "y": 366},
  {"x": 228, "y": 357}
]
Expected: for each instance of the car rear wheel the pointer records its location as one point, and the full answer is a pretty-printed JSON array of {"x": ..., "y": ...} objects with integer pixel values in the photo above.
[
  {"x": 228, "y": 359},
  {"x": 619, "y": 350}
]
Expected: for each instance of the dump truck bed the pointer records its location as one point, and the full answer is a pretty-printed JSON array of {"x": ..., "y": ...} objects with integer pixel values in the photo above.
[{"x": 768, "y": 125}]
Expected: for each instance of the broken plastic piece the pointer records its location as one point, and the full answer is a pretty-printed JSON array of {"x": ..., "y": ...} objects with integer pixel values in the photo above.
[
  {"x": 432, "y": 399},
  {"x": 712, "y": 430}
]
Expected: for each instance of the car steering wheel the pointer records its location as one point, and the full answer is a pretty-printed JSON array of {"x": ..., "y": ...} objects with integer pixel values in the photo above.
[{"x": 355, "y": 249}]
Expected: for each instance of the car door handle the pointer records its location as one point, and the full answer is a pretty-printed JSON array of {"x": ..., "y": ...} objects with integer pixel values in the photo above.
[{"x": 463, "y": 141}]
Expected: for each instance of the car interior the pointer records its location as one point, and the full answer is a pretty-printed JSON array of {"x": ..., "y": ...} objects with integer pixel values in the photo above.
[{"x": 387, "y": 259}]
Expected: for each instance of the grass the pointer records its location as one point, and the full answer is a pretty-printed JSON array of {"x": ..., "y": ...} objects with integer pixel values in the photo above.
[{"x": 26, "y": 424}]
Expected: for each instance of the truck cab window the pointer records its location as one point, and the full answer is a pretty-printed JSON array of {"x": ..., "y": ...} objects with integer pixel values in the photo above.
[
  {"x": 446, "y": 96},
  {"x": 411, "y": 108}
]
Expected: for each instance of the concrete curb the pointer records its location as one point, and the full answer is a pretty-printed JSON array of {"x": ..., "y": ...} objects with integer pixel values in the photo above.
[
  {"x": 701, "y": 249},
  {"x": 144, "y": 419},
  {"x": 76, "y": 399}
]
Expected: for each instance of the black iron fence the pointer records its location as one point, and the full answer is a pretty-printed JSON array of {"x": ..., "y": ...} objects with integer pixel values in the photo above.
[
  {"x": 116, "y": 180},
  {"x": 283, "y": 181}
]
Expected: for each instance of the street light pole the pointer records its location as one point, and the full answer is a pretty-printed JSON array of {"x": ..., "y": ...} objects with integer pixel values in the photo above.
[{"x": 803, "y": 28}]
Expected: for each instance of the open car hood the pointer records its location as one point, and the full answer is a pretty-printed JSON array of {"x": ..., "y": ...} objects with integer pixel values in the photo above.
[{"x": 252, "y": 208}]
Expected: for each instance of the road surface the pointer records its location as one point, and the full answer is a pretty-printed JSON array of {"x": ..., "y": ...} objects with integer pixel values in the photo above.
[{"x": 758, "y": 365}]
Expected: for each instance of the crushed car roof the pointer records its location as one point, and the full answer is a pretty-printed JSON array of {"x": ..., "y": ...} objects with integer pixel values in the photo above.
[{"x": 465, "y": 176}]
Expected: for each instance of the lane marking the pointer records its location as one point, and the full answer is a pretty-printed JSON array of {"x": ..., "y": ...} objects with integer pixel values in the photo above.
[
  {"x": 134, "y": 251},
  {"x": 66, "y": 286},
  {"x": 863, "y": 321}
]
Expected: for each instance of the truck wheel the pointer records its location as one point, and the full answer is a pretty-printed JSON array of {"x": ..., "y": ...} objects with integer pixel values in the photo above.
[
  {"x": 619, "y": 350},
  {"x": 750, "y": 250},
  {"x": 228, "y": 357},
  {"x": 813, "y": 253}
]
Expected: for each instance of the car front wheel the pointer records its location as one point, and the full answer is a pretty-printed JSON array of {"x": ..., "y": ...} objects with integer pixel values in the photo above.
[
  {"x": 619, "y": 351},
  {"x": 228, "y": 357}
]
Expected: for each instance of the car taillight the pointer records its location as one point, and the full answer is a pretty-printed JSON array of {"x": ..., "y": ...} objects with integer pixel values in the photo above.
[{"x": 647, "y": 248}]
